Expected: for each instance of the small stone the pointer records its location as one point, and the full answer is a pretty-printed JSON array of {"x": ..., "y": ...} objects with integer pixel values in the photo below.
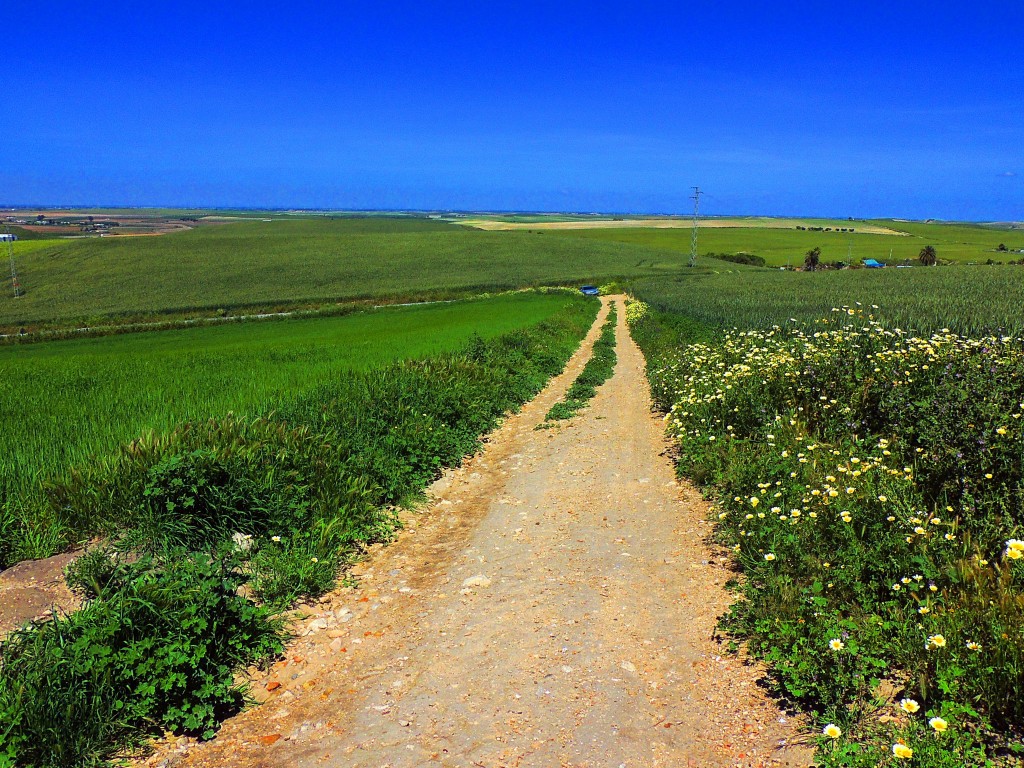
[
  {"x": 270, "y": 738},
  {"x": 273, "y": 685},
  {"x": 317, "y": 625}
]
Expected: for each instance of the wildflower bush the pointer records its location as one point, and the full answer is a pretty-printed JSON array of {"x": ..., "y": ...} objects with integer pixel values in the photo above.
[
  {"x": 871, "y": 486},
  {"x": 636, "y": 311},
  {"x": 275, "y": 505}
]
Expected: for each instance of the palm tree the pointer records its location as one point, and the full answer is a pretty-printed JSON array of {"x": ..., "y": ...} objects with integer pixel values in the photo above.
[
  {"x": 928, "y": 257},
  {"x": 812, "y": 259}
]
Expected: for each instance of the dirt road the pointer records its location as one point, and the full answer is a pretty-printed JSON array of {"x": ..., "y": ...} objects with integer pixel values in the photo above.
[{"x": 553, "y": 606}]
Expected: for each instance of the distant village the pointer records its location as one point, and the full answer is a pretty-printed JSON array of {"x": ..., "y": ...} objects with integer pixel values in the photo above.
[{"x": 87, "y": 224}]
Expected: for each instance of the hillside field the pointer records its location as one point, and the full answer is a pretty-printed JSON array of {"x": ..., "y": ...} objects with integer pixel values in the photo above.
[
  {"x": 282, "y": 262},
  {"x": 781, "y": 247}
]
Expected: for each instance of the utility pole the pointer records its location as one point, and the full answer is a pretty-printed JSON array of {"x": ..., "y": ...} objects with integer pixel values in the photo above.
[
  {"x": 10, "y": 257},
  {"x": 693, "y": 236}
]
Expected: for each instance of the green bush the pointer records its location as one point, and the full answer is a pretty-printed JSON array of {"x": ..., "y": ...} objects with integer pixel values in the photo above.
[
  {"x": 738, "y": 258},
  {"x": 158, "y": 651},
  {"x": 201, "y": 483}
]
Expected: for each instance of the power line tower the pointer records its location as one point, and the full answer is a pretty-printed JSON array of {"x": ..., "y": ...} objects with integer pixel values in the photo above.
[
  {"x": 693, "y": 235},
  {"x": 10, "y": 257}
]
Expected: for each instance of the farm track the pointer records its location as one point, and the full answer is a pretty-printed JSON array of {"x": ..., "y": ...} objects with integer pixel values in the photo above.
[{"x": 553, "y": 605}]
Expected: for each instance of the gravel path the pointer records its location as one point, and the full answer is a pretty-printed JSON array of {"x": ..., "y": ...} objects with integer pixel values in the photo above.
[{"x": 553, "y": 606}]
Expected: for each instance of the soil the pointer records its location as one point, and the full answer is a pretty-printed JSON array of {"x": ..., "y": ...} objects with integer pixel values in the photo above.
[
  {"x": 33, "y": 589},
  {"x": 554, "y": 604}
]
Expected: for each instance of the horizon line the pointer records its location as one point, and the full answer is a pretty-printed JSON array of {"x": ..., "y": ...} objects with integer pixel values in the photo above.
[{"x": 7, "y": 207}]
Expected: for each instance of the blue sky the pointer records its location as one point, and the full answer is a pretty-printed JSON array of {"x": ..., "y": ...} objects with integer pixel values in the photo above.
[{"x": 836, "y": 109}]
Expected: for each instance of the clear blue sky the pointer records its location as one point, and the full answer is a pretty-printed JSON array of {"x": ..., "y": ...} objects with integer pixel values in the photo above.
[{"x": 822, "y": 108}]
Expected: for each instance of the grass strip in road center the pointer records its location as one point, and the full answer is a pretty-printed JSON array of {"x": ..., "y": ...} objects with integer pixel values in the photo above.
[{"x": 596, "y": 372}]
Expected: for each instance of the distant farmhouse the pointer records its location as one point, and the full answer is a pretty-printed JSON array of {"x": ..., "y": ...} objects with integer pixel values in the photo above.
[{"x": 5, "y": 238}]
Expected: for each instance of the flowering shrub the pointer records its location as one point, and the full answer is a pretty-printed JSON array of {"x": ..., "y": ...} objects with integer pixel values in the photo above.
[
  {"x": 636, "y": 311},
  {"x": 871, "y": 488}
]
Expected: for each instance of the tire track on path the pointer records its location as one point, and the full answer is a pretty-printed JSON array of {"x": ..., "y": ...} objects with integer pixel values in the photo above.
[{"x": 554, "y": 606}]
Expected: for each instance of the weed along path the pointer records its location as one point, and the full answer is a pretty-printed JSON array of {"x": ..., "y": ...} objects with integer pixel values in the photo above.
[{"x": 554, "y": 605}]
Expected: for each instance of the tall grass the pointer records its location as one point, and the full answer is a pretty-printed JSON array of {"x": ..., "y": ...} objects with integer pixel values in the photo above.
[
  {"x": 596, "y": 372},
  {"x": 966, "y": 299}
]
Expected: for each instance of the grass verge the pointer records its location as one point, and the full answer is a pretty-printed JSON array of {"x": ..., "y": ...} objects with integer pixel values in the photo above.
[{"x": 70, "y": 404}]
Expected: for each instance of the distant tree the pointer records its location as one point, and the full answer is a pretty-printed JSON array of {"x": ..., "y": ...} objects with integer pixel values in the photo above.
[
  {"x": 1001, "y": 247},
  {"x": 812, "y": 259},
  {"x": 928, "y": 257}
]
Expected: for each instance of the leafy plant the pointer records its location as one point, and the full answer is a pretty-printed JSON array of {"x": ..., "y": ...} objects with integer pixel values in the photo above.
[{"x": 159, "y": 651}]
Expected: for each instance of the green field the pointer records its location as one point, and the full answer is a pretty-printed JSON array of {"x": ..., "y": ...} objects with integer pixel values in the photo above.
[
  {"x": 967, "y": 299},
  {"x": 155, "y": 440},
  {"x": 64, "y": 401},
  {"x": 23, "y": 247},
  {"x": 781, "y": 247},
  {"x": 281, "y": 262}
]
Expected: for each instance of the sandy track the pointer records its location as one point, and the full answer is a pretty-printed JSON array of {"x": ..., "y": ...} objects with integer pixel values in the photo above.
[{"x": 554, "y": 606}]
